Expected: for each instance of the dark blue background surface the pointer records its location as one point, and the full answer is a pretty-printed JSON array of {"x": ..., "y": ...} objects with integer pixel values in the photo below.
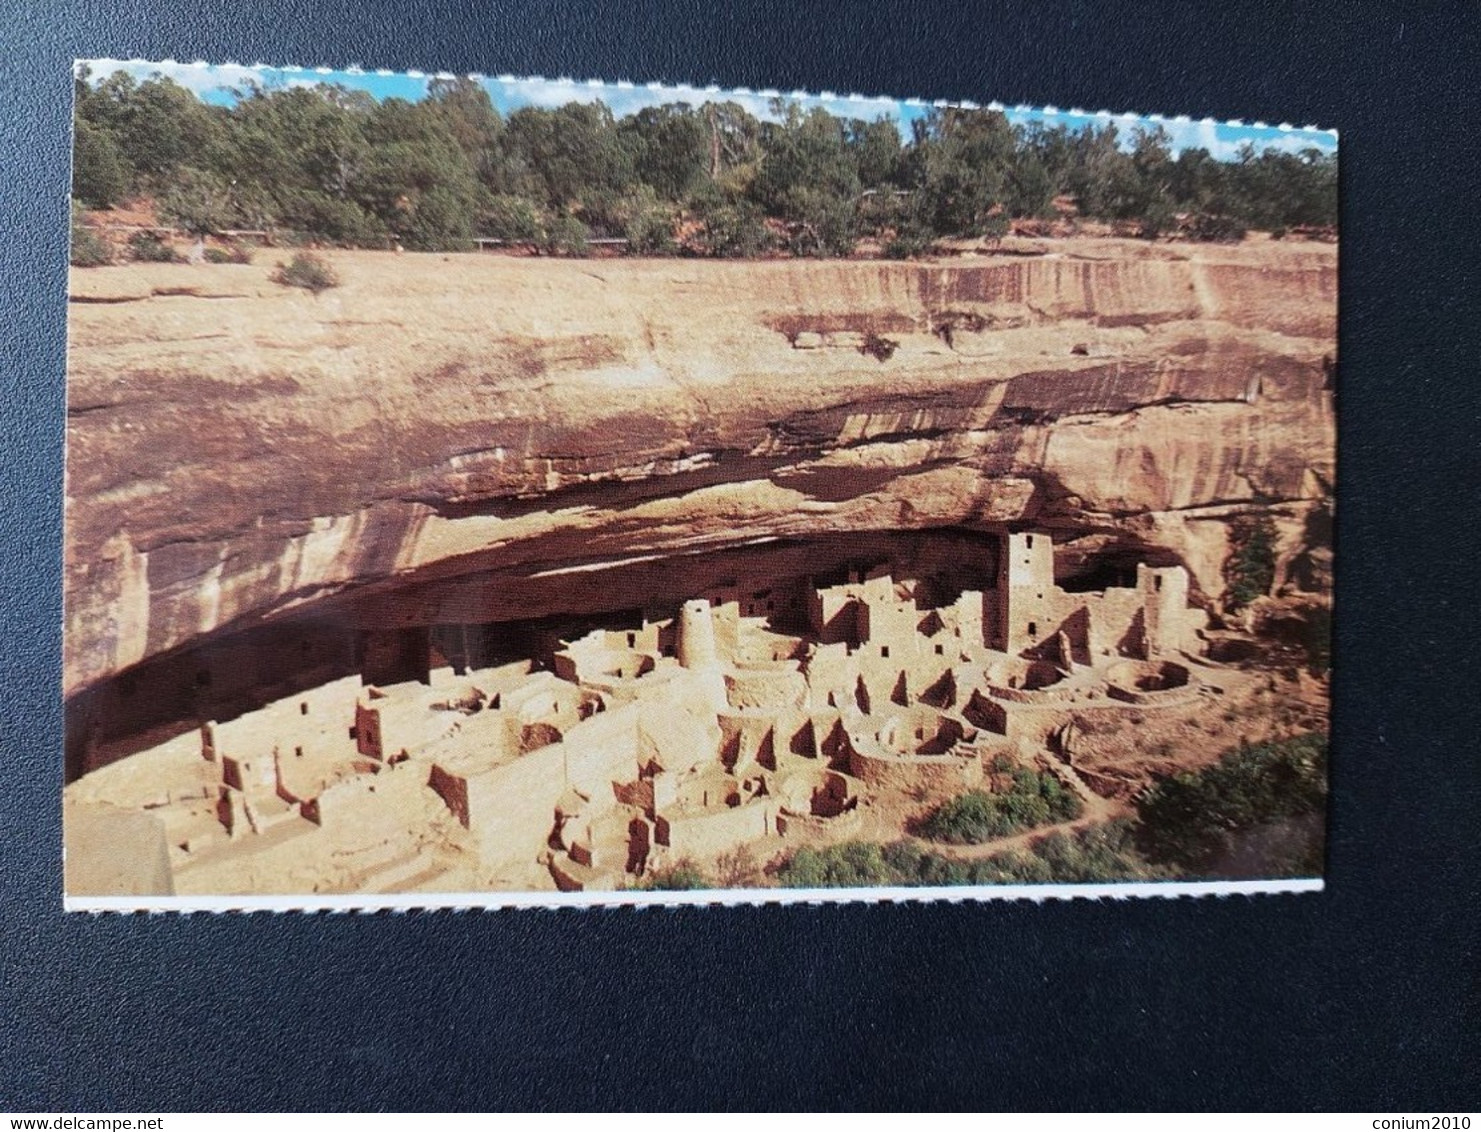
[{"x": 1367, "y": 996}]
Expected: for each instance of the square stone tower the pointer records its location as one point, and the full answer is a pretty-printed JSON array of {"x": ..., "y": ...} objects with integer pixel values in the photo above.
[
  {"x": 1026, "y": 594},
  {"x": 1164, "y": 593}
]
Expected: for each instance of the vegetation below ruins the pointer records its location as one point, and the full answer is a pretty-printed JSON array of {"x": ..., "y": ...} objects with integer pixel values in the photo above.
[
  {"x": 1189, "y": 825},
  {"x": 1192, "y": 822},
  {"x": 332, "y": 165},
  {"x": 1105, "y": 852},
  {"x": 1035, "y": 798},
  {"x": 682, "y": 877}
]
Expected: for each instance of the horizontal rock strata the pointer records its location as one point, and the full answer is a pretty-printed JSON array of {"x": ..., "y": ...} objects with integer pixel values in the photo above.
[{"x": 240, "y": 452}]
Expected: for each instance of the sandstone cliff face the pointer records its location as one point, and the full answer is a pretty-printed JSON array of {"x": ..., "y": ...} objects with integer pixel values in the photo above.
[{"x": 238, "y": 451}]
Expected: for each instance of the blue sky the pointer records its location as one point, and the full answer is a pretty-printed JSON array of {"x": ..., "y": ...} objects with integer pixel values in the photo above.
[{"x": 214, "y": 83}]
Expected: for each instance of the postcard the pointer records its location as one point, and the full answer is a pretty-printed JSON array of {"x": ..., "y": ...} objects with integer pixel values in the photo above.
[{"x": 486, "y": 492}]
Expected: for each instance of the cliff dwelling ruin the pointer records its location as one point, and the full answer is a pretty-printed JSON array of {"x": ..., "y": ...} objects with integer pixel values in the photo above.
[{"x": 766, "y": 712}]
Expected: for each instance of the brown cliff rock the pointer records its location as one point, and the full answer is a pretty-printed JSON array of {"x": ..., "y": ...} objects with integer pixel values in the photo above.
[{"x": 239, "y": 451}]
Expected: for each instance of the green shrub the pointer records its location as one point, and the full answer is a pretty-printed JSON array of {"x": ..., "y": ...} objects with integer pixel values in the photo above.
[
  {"x": 1187, "y": 821},
  {"x": 197, "y": 202},
  {"x": 994, "y": 227},
  {"x": 440, "y": 222},
  {"x": 1034, "y": 799},
  {"x": 565, "y": 235},
  {"x": 232, "y": 253},
  {"x": 909, "y": 243},
  {"x": 88, "y": 248},
  {"x": 732, "y": 230},
  {"x": 147, "y": 247},
  {"x": 314, "y": 218},
  {"x": 1216, "y": 228},
  {"x": 650, "y": 231},
  {"x": 819, "y": 224},
  {"x": 1020, "y": 866},
  {"x": 966, "y": 820},
  {"x": 854, "y": 864},
  {"x": 514, "y": 219},
  {"x": 308, "y": 271},
  {"x": 100, "y": 172},
  {"x": 911, "y": 865},
  {"x": 605, "y": 210},
  {"x": 1249, "y": 571},
  {"x": 1100, "y": 854},
  {"x": 1157, "y": 218},
  {"x": 681, "y": 877}
]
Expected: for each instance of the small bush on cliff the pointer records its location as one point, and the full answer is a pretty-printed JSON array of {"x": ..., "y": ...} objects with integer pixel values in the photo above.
[
  {"x": 909, "y": 243},
  {"x": 854, "y": 864},
  {"x": 308, "y": 271},
  {"x": 731, "y": 230},
  {"x": 1034, "y": 799},
  {"x": 680, "y": 877},
  {"x": 1157, "y": 219},
  {"x": 650, "y": 231},
  {"x": 565, "y": 235},
  {"x": 739, "y": 869},
  {"x": 514, "y": 219},
  {"x": 146, "y": 247},
  {"x": 1249, "y": 571},
  {"x": 1219, "y": 229},
  {"x": 232, "y": 253},
  {"x": 878, "y": 347},
  {"x": 966, "y": 820},
  {"x": 88, "y": 248}
]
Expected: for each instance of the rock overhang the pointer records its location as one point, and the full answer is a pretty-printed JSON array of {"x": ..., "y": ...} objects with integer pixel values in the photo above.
[{"x": 247, "y": 457}]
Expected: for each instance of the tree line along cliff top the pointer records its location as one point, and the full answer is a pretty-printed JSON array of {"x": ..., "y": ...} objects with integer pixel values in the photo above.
[{"x": 334, "y": 166}]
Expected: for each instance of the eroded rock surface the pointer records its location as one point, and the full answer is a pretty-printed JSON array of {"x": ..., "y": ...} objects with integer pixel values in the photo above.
[{"x": 238, "y": 451}]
